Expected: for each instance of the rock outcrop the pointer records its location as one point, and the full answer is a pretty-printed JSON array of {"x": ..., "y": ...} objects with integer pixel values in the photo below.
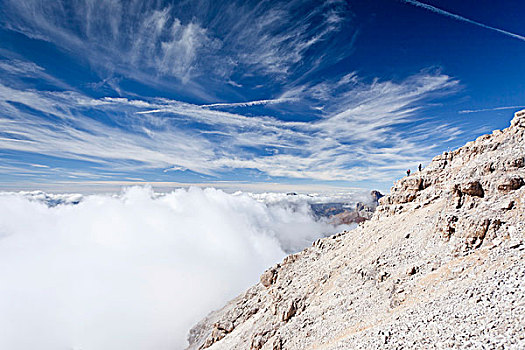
[{"x": 440, "y": 264}]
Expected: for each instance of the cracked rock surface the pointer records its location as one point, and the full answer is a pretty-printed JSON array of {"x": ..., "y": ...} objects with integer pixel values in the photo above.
[{"x": 441, "y": 264}]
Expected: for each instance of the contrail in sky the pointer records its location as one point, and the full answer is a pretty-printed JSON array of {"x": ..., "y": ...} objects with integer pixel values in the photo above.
[
  {"x": 489, "y": 109},
  {"x": 461, "y": 18},
  {"x": 251, "y": 103}
]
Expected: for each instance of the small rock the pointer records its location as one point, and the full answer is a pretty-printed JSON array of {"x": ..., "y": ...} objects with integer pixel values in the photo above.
[
  {"x": 290, "y": 311},
  {"x": 383, "y": 276},
  {"x": 472, "y": 188},
  {"x": 277, "y": 344},
  {"x": 412, "y": 271},
  {"x": 269, "y": 277},
  {"x": 510, "y": 183},
  {"x": 508, "y": 205},
  {"x": 226, "y": 326}
]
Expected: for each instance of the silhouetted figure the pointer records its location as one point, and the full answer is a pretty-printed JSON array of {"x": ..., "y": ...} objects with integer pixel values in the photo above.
[
  {"x": 408, "y": 172},
  {"x": 419, "y": 167}
]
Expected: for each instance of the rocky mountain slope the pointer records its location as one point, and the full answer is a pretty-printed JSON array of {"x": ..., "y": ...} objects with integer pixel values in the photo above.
[{"x": 440, "y": 264}]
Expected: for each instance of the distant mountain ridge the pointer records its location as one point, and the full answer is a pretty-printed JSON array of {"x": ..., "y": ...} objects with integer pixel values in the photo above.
[
  {"x": 344, "y": 214},
  {"x": 441, "y": 264}
]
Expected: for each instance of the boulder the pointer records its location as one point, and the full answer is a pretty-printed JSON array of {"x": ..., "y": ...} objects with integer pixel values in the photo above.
[
  {"x": 472, "y": 188},
  {"x": 268, "y": 277},
  {"x": 510, "y": 183}
]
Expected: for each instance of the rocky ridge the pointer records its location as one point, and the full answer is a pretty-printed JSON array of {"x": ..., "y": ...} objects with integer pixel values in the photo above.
[{"x": 441, "y": 264}]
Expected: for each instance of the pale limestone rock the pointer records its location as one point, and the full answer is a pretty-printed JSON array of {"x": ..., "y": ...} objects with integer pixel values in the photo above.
[
  {"x": 441, "y": 264},
  {"x": 269, "y": 277}
]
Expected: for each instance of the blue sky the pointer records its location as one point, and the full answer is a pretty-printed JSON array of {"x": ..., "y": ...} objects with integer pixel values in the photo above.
[{"x": 306, "y": 93}]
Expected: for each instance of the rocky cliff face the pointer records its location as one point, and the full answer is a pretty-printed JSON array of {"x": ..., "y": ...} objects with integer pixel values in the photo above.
[{"x": 440, "y": 264}]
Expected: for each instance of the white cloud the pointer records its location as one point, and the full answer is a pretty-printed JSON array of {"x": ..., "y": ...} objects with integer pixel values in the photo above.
[
  {"x": 133, "y": 271},
  {"x": 273, "y": 39},
  {"x": 114, "y": 35},
  {"x": 79, "y": 137},
  {"x": 12, "y": 69},
  {"x": 356, "y": 135},
  {"x": 147, "y": 41},
  {"x": 20, "y": 68}
]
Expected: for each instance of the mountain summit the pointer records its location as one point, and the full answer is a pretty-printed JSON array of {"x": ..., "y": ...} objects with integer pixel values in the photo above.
[{"x": 440, "y": 264}]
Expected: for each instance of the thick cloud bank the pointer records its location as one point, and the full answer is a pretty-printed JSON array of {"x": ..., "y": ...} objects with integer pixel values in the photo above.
[{"x": 135, "y": 270}]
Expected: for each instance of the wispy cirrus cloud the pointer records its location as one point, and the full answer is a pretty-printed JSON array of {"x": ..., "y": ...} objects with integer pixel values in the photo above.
[
  {"x": 20, "y": 68},
  {"x": 72, "y": 135},
  {"x": 13, "y": 69},
  {"x": 355, "y": 136},
  {"x": 152, "y": 41},
  {"x": 274, "y": 37},
  {"x": 112, "y": 34}
]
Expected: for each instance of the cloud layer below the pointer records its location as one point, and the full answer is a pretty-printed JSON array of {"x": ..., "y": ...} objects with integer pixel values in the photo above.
[{"x": 135, "y": 270}]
